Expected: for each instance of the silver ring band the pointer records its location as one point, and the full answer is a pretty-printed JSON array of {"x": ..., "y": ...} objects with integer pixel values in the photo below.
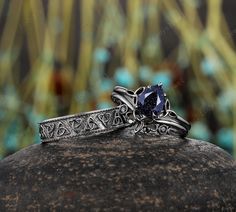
[
  {"x": 146, "y": 111},
  {"x": 84, "y": 124}
]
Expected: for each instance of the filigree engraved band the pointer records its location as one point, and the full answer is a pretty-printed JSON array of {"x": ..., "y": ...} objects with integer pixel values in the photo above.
[
  {"x": 84, "y": 124},
  {"x": 149, "y": 110}
]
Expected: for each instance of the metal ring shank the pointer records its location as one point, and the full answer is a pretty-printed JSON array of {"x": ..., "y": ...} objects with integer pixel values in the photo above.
[{"x": 83, "y": 124}]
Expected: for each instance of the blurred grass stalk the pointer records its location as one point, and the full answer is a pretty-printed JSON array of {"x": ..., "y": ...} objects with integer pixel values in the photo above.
[
  {"x": 48, "y": 39},
  {"x": 215, "y": 45}
]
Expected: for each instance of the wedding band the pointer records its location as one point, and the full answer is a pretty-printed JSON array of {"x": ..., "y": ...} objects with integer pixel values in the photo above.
[{"x": 84, "y": 124}]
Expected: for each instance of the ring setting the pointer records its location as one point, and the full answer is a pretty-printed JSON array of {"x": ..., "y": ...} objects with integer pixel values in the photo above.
[
  {"x": 144, "y": 111},
  {"x": 150, "y": 109}
]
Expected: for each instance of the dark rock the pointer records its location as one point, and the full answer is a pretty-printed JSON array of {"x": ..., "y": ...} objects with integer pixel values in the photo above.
[{"x": 114, "y": 172}]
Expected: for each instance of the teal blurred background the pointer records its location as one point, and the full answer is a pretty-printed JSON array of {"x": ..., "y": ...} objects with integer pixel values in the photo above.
[{"x": 61, "y": 57}]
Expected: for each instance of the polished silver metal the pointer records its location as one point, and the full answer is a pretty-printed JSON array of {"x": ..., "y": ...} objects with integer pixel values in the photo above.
[
  {"x": 84, "y": 124},
  {"x": 97, "y": 122},
  {"x": 167, "y": 122}
]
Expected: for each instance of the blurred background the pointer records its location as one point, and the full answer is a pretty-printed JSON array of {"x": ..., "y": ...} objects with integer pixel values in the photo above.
[{"x": 62, "y": 57}]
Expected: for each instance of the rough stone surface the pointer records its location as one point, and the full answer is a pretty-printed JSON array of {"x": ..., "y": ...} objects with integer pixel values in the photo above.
[{"x": 117, "y": 172}]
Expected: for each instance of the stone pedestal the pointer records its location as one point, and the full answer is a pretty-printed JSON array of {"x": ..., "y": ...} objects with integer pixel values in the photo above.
[{"x": 118, "y": 172}]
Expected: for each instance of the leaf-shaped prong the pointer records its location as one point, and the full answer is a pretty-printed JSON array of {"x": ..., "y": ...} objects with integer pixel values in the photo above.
[
  {"x": 172, "y": 114},
  {"x": 139, "y": 126},
  {"x": 167, "y": 105},
  {"x": 137, "y": 116},
  {"x": 139, "y": 90}
]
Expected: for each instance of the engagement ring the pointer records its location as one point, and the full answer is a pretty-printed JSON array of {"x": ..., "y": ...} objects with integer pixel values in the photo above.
[{"x": 149, "y": 111}]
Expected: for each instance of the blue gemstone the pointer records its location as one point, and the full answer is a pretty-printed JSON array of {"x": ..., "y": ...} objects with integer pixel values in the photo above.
[{"x": 151, "y": 100}]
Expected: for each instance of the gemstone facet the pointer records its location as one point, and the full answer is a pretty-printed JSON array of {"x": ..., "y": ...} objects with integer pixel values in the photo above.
[{"x": 151, "y": 100}]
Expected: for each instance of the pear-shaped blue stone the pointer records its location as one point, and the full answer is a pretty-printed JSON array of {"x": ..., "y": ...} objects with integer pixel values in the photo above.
[{"x": 151, "y": 100}]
